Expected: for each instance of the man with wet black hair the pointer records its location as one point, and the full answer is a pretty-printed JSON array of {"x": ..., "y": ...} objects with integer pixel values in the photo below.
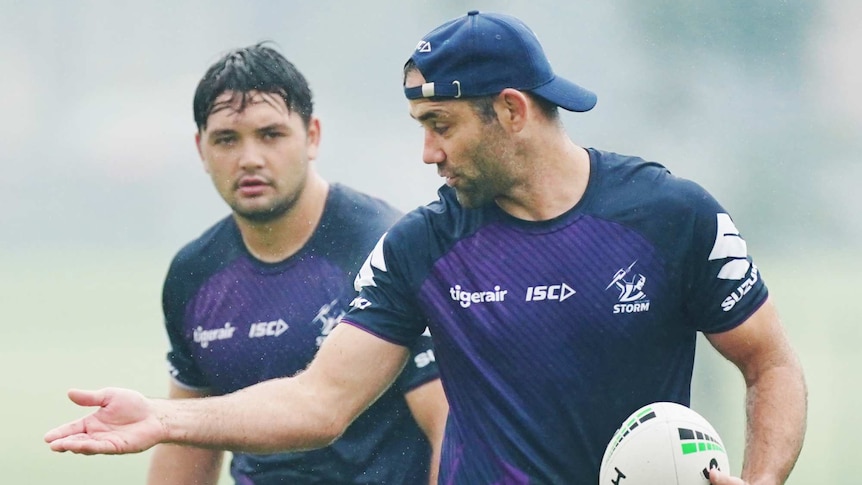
[{"x": 256, "y": 295}]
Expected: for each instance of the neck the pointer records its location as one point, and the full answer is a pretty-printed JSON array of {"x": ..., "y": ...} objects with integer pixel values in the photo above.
[
  {"x": 277, "y": 240},
  {"x": 552, "y": 180}
]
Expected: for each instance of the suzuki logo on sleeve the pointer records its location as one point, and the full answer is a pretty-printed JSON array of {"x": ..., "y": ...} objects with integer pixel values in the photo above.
[{"x": 730, "y": 247}]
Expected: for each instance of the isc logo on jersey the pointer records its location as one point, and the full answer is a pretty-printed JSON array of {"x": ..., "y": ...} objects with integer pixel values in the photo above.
[
  {"x": 267, "y": 329},
  {"x": 549, "y": 292}
]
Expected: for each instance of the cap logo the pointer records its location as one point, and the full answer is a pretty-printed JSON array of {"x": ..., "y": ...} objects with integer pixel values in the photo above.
[{"x": 423, "y": 46}]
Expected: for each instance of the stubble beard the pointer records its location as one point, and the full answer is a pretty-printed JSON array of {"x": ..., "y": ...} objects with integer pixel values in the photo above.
[
  {"x": 265, "y": 215},
  {"x": 276, "y": 210},
  {"x": 489, "y": 181},
  {"x": 473, "y": 194}
]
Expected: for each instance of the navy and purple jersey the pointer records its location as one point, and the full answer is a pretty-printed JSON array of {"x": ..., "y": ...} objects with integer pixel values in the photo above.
[
  {"x": 548, "y": 334},
  {"x": 234, "y": 321}
]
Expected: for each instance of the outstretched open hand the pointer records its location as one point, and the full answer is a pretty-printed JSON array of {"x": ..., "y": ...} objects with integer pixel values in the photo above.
[{"x": 124, "y": 423}]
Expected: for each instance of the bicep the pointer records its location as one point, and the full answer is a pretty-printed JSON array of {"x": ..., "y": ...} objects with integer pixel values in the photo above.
[{"x": 756, "y": 345}]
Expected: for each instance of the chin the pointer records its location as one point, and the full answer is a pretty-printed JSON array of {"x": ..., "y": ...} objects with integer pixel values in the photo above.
[
  {"x": 260, "y": 214},
  {"x": 471, "y": 199},
  {"x": 258, "y": 217}
]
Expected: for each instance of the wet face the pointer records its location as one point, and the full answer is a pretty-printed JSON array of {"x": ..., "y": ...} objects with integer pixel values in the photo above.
[
  {"x": 258, "y": 157},
  {"x": 473, "y": 155}
]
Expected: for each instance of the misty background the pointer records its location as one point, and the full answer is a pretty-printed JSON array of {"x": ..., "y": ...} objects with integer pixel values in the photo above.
[{"x": 758, "y": 101}]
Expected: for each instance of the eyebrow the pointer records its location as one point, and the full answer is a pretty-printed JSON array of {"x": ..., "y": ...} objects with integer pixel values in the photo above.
[
  {"x": 231, "y": 131},
  {"x": 224, "y": 131},
  {"x": 274, "y": 126},
  {"x": 429, "y": 115}
]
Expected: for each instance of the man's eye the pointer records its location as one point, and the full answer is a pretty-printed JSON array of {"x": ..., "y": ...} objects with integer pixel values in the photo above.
[
  {"x": 271, "y": 135},
  {"x": 224, "y": 140}
]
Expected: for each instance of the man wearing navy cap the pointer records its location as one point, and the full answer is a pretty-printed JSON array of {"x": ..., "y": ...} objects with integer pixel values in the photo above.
[{"x": 564, "y": 288}]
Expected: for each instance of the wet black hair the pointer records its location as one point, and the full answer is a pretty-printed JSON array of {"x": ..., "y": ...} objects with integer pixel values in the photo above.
[{"x": 257, "y": 68}]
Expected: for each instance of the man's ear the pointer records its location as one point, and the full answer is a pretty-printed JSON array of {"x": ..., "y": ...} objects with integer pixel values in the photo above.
[
  {"x": 512, "y": 107},
  {"x": 312, "y": 142}
]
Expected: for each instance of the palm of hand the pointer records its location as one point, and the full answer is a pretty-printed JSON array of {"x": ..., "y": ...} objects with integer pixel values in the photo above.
[{"x": 124, "y": 423}]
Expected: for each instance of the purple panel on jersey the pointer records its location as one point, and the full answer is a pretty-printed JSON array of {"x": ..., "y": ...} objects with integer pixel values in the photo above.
[
  {"x": 282, "y": 314},
  {"x": 523, "y": 351}
]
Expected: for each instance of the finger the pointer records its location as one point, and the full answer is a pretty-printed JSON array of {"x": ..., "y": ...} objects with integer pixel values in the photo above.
[
  {"x": 66, "y": 430},
  {"x": 718, "y": 477},
  {"x": 84, "y": 445},
  {"x": 87, "y": 398}
]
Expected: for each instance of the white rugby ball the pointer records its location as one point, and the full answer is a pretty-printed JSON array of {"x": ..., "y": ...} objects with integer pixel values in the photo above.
[{"x": 663, "y": 443}]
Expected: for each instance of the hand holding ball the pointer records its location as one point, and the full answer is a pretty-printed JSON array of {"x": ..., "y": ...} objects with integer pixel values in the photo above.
[{"x": 663, "y": 443}]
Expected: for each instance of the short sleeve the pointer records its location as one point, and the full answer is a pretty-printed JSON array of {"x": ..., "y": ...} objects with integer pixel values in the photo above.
[
  {"x": 723, "y": 285},
  {"x": 421, "y": 367},
  {"x": 387, "y": 282},
  {"x": 181, "y": 366}
]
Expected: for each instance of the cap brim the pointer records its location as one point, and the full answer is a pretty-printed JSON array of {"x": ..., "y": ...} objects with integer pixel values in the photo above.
[{"x": 567, "y": 95}]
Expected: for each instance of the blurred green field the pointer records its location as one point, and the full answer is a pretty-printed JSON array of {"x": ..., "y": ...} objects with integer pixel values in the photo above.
[{"x": 92, "y": 319}]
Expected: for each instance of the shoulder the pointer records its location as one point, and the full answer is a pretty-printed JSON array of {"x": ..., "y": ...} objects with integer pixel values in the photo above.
[
  {"x": 349, "y": 210},
  {"x": 197, "y": 261},
  {"x": 676, "y": 215},
  {"x": 348, "y": 199},
  {"x": 214, "y": 247},
  {"x": 410, "y": 247},
  {"x": 438, "y": 224},
  {"x": 634, "y": 186}
]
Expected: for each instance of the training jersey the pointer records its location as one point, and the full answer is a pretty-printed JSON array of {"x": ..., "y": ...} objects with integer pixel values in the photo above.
[
  {"x": 233, "y": 321},
  {"x": 549, "y": 334}
]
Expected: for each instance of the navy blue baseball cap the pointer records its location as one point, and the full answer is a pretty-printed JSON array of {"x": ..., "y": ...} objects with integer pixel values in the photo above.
[{"x": 481, "y": 54}]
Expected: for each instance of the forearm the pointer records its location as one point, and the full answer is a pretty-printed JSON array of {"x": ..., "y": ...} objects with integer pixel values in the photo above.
[
  {"x": 276, "y": 415},
  {"x": 312, "y": 409},
  {"x": 434, "y": 465},
  {"x": 428, "y": 405},
  {"x": 776, "y": 407},
  {"x": 180, "y": 465},
  {"x": 307, "y": 411}
]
